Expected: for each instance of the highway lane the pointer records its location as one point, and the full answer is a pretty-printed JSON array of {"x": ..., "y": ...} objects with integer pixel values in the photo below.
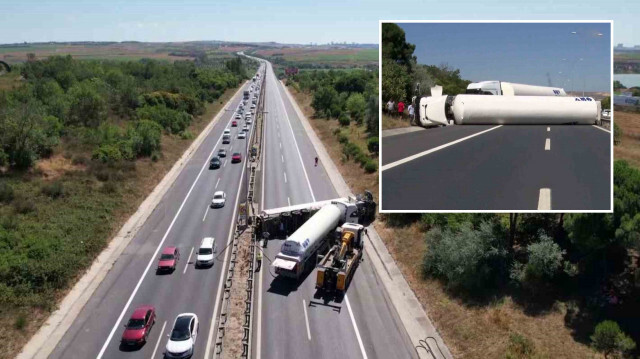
[
  {"x": 289, "y": 321},
  {"x": 180, "y": 220},
  {"x": 503, "y": 168}
]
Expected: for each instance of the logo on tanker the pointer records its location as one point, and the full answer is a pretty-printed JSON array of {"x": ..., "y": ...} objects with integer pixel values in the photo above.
[
  {"x": 557, "y": 92},
  {"x": 584, "y": 99}
]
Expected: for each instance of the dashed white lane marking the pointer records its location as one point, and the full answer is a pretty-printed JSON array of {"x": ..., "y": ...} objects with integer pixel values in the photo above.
[
  {"x": 225, "y": 163},
  {"x": 282, "y": 158},
  {"x": 424, "y": 153},
  {"x": 547, "y": 144},
  {"x": 353, "y": 320},
  {"x": 306, "y": 318},
  {"x": 544, "y": 200},
  {"x": 281, "y": 145},
  {"x": 205, "y": 213},
  {"x": 155, "y": 349},
  {"x": 218, "y": 181},
  {"x": 289, "y": 201},
  {"x": 548, "y": 129},
  {"x": 285, "y": 177},
  {"x": 600, "y": 128},
  {"x": 186, "y": 265}
]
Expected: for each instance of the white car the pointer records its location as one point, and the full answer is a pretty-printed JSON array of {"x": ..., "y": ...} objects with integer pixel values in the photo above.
[
  {"x": 238, "y": 116},
  {"x": 219, "y": 199},
  {"x": 226, "y": 131},
  {"x": 248, "y": 120},
  {"x": 205, "y": 252},
  {"x": 242, "y": 135},
  {"x": 253, "y": 106},
  {"x": 183, "y": 336},
  {"x": 245, "y": 128}
]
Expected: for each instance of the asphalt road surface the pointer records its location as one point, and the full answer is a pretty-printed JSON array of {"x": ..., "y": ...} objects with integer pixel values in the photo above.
[
  {"x": 289, "y": 321},
  {"x": 524, "y": 167},
  {"x": 182, "y": 219}
]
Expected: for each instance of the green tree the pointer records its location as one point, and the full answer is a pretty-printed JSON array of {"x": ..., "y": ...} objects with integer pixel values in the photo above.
[
  {"x": 151, "y": 135},
  {"x": 609, "y": 339},
  {"x": 356, "y": 106},
  {"x": 395, "y": 47},
  {"x": 371, "y": 115},
  {"x": 87, "y": 105},
  {"x": 395, "y": 81},
  {"x": 324, "y": 100},
  {"x": 617, "y": 85},
  {"x": 606, "y": 103}
]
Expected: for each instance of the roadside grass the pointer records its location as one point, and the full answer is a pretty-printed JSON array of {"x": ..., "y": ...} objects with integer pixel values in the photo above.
[
  {"x": 629, "y": 146},
  {"x": 63, "y": 214},
  {"x": 389, "y": 122},
  {"x": 501, "y": 329},
  {"x": 355, "y": 176}
]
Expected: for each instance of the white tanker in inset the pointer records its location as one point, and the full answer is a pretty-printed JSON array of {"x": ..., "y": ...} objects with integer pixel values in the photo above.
[
  {"x": 501, "y": 88},
  {"x": 438, "y": 109}
]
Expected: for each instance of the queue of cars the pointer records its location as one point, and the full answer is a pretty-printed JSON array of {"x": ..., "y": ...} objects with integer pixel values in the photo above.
[{"x": 184, "y": 332}]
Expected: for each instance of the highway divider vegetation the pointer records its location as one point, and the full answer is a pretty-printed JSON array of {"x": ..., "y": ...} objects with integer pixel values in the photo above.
[
  {"x": 351, "y": 98},
  {"x": 81, "y": 145}
]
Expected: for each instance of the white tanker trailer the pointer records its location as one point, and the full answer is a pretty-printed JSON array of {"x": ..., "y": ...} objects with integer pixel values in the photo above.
[
  {"x": 465, "y": 109},
  {"x": 311, "y": 237},
  {"x": 501, "y": 88}
]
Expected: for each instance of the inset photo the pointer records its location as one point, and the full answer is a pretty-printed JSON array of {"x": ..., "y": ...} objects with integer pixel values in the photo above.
[{"x": 496, "y": 116}]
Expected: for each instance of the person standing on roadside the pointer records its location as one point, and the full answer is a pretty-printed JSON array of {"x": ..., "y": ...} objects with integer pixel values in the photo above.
[
  {"x": 390, "y": 107},
  {"x": 401, "y": 109},
  {"x": 410, "y": 109}
]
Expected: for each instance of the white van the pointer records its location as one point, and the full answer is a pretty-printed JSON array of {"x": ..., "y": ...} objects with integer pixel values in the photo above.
[{"x": 206, "y": 252}]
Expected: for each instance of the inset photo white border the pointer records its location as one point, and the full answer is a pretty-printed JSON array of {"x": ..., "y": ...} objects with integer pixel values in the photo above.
[{"x": 545, "y": 199}]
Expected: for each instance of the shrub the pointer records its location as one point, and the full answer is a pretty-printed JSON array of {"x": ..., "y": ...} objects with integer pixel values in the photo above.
[
  {"x": 372, "y": 145},
  {"x": 155, "y": 157},
  {"x": 53, "y": 190},
  {"x": 342, "y": 138},
  {"x": 186, "y": 135},
  {"x": 467, "y": 259},
  {"x": 344, "y": 120},
  {"x": 608, "y": 339},
  {"x": 362, "y": 159},
  {"x": 520, "y": 347},
  {"x": 370, "y": 166},
  {"x": 24, "y": 205},
  {"x": 109, "y": 187},
  {"x": 6, "y": 192},
  {"x": 21, "y": 322},
  {"x": 174, "y": 121},
  {"x": 107, "y": 153},
  {"x": 80, "y": 160},
  {"x": 544, "y": 261},
  {"x": 617, "y": 133},
  {"x": 150, "y": 137}
]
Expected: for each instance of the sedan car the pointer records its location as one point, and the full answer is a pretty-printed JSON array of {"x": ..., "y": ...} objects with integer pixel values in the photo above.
[
  {"x": 236, "y": 157},
  {"x": 234, "y": 123},
  {"x": 183, "y": 336},
  {"x": 215, "y": 163},
  {"x": 242, "y": 135},
  {"x": 222, "y": 152},
  {"x": 168, "y": 259},
  {"x": 219, "y": 199},
  {"x": 245, "y": 128},
  {"x": 238, "y": 116},
  {"x": 253, "y": 105},
  {"x": 139, "y": 325}
]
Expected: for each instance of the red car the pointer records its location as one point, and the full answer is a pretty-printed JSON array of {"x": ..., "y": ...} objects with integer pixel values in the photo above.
[
  {"x": 234, "y": 123},
  {"x": 137, "y": 329},
  {"x": 168, "y": 259},
  {"x": 237, "y": 157}
]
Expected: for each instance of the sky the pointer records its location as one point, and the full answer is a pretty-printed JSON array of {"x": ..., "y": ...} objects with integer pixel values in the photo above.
[
  {"x": 520, "y": 53},
  {"x": 292, "y": 21}
]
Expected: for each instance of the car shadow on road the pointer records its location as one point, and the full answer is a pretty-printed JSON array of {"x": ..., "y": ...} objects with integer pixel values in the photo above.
[{"x": 284, "y": 286}]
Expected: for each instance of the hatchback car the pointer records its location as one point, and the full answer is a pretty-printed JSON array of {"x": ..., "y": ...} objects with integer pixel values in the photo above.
[
  {"x": 168, "y": 259},
  {"x": 222, "y": 152},
  {"x": 242, "y": 135},
  {"x": 237, "y": 157},
  {"x": 205, "y": 252},
  {"x": 234, "y": 123},
  {"x": 139, "y": 325},
  {"x": 183, "y": 336},
  {"x": 238, "y": 116},
  {"x": 215, "y": 163},
  {"x": 219, "y": 199}
]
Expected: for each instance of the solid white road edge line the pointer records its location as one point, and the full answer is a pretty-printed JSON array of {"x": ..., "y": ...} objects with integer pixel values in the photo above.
[
  {"x": 600, "y": 128},
  {"x": 186, "y": 265},
  {"x": 424, "y": 153},
  {"x": 306, "y": 176},
  {"x": 355, "y": 326},
  {"x": 544, "y": 199},
  {"x": 155, "y": 349},
  {"x": 155, "y": 254},
  {"x": 224, "y": 267},
  {"x": 547, "y": 144},
  {"x": 306, "y": 318}
]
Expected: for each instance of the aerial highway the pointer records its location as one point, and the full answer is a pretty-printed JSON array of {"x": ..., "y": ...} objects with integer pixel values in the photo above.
[
  {"x": 183, "y": 219},
  {"x": 288, "y": 320},
  {"x": 496, "y": 167}
]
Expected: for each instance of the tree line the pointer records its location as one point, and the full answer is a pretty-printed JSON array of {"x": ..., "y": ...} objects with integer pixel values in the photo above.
[{"x": 118, "y": 108}]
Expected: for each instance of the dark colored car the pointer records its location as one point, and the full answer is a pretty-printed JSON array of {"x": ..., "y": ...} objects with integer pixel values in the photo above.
[
  {"x": 168, "y": 259},
  {"x": 137, "y": 329},
  {"x": 215, "y": 163},
  {"x": 222, "y": 152},
  {"x": 237, "y": 157}
]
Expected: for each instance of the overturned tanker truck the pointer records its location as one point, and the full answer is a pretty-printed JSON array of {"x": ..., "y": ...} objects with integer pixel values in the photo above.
[
  {"x": 309, "y": 229},
  {"x": 484, "y": 109}
]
